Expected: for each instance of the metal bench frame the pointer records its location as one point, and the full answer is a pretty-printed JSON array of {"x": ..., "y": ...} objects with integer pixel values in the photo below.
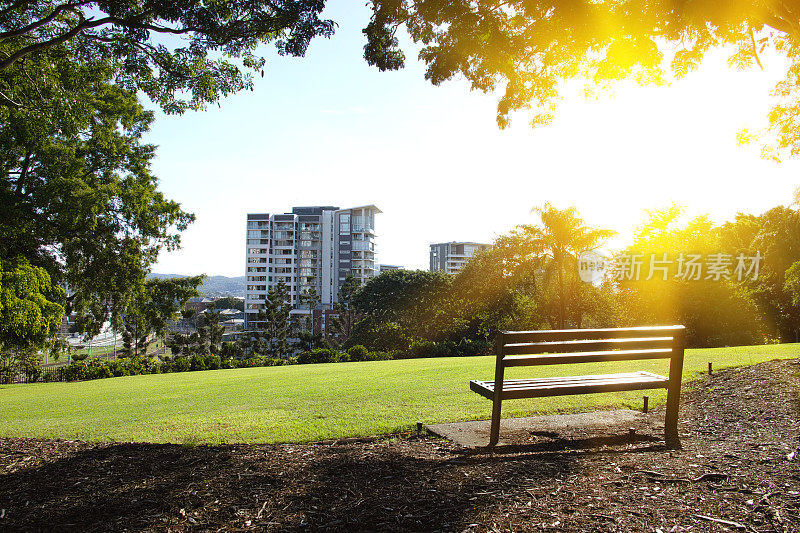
[{"x": 568, "y": 346}]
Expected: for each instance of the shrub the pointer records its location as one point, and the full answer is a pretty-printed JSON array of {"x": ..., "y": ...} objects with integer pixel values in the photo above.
[
  {"x": 101, "y": 371},
  {"x": 468, "y": 347},
  {"x": 383, "y": 336},
  {"x": 205, "y": 362},
  {"x": 250, "y": 362},
  {"x": 445, "y": 349},
  {"x": 75, "y": 371},
  {"x": 181, "y": 364},
  {"x": 380, "y": 356},
  {"x": 358, "y": 352},
  {"x": 116, "y": 368},
  {"x": 278, "y": 361},
  {"x": 320, "y": 355},
  {"x": 422, "y": 349}
]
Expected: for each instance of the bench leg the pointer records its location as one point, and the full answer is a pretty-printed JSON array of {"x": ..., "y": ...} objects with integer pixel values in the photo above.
[
  {"x": 494, "y": 435},
  {"x": 497, "y": 399},
  {"x": 671, "y": 418},
  {"x": 674, "y": 393}
]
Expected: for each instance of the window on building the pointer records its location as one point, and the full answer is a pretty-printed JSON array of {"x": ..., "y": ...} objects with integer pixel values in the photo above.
[{"x": 344, "y": 223}]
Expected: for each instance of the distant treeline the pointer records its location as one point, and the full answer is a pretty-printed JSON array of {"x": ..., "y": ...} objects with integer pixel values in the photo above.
[{"x": 746, "y": 289}]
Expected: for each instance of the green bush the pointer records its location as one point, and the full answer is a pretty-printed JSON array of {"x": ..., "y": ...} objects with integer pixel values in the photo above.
[
  {"x": 358, "y": 352},
  {"x": 385, "y": 336},
  {"x": 93, "y": 368},
  {"x": 198, "y": 362},
  {"x": 320, "y": 355},
  {"x": 470, "y": 347},
  {"x": 250, "y": 362},
  {"x": 279, "y": 361},
  {"x": 181, "y": 364},
  {"x": 380, "y": 356},
  {"x": 421, "y": 349}
]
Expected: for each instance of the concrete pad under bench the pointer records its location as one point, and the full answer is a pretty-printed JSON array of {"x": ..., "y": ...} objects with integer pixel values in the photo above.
[{"x": 528, "y": 430}]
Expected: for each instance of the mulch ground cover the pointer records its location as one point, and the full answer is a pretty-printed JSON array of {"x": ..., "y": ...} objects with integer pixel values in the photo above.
[{"x": 738, "y": 469}]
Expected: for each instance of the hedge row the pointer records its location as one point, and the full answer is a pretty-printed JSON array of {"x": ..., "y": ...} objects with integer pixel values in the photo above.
[
  {"x": 92, "y": 368},
  {"x": 96, "y": 368}
]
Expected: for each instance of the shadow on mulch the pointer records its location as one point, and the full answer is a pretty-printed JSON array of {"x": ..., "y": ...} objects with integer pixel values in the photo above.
[
  {"x": 144, "y": 486},
  {"x": 352, "y": 487},
  {"x": 591, "y": 445}
]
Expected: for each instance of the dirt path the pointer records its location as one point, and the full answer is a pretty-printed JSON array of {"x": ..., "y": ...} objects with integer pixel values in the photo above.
[{"x": 739, "y": 469}]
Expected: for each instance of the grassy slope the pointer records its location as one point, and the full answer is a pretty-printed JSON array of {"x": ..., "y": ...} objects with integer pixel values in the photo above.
[{"x": 309, "y": 402}]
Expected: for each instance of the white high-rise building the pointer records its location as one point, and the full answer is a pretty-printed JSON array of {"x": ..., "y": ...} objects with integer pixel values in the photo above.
[
  {"x": 451, "y": 257},
  {"x": 312, "y": 250}
]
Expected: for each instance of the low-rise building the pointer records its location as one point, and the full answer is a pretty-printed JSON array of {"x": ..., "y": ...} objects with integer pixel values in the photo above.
[
  {"x": 450, "y": 257},
  {"x": 387, "y": 268}
]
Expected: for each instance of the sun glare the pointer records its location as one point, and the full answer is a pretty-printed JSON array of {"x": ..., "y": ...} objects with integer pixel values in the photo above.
[{"x": 639, "y": 148}]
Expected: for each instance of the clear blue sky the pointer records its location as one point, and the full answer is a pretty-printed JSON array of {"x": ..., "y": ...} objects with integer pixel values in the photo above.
[{"x": 328, "y": 129}]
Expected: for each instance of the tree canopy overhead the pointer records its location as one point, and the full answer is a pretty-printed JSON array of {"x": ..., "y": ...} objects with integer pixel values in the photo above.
[
  {"x": 181, "y": 54},
  {"x": 528, "y": 48}
]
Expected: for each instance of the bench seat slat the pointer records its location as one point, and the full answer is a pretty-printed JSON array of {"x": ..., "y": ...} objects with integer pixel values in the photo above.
[
  {"x": 585, "y": 334},
  {"x": 586, "y": 357},
  {"x": 563, "y": 386},
  {"x": 532, "y": 348}
]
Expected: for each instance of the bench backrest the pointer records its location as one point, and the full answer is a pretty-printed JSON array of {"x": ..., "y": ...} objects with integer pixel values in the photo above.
[{"x": 566, "y": 346}]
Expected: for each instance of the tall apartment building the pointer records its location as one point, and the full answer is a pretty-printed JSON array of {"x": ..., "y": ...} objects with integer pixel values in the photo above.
[
  {"x": 451, "y": 257},
  {"x": 310, "y": 248}
]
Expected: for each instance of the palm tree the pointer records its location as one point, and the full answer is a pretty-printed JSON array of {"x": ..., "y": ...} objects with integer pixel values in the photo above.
[{"x": 560, "y": 237}]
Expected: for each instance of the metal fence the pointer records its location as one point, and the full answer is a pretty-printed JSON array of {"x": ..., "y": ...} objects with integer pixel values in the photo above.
[
  {"x": 55, "y": 371},
  {"x": 8, "y": 377}
]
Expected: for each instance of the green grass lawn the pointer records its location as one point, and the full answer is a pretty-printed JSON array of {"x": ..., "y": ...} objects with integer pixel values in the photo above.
[{"x": 311, "y": 402}]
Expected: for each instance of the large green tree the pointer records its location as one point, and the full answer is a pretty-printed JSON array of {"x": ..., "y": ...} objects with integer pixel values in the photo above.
[
  {"x": 412, "y": 299},
  {"x": 211, "y": 331},
  {"x": 658, "y": 285},
  {"x": 229, "y": 302},
  {"x": 77, "y": 197},
  {"x": 560, "y": 236},
  {"x": 268, "y": 334},
  {"x": 775, "y": 235},
  {"x": 29, "y": 312},
  {"x": 497, "y": 289},
  {"x": 152, "y": 306},
  {"x": 527, "y": 49}
]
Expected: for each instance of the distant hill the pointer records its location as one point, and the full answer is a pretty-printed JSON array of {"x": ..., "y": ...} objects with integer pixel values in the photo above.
[{"x": 214, "y": 285}]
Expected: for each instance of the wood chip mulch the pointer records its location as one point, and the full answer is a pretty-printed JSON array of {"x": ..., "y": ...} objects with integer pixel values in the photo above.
[{"x": 738, "y": 470}]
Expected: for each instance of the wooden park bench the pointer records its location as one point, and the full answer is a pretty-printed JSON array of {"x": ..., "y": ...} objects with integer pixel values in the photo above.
[{"x": 568, "y": 346}]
